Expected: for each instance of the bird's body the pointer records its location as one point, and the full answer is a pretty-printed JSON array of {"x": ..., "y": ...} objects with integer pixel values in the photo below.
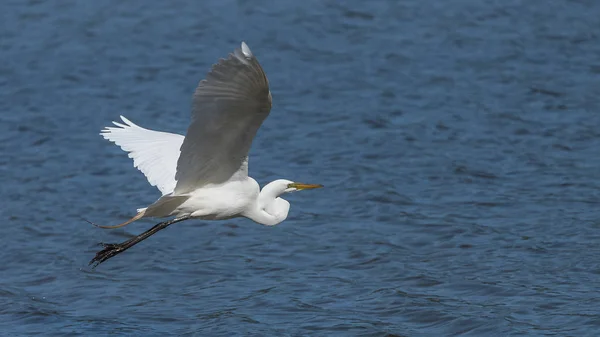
[
  {"x": 228, "y": 200},
  {"x": 218, "y": 202},
  {"x": 238, "y": 196},
  {"x": 204, "y": 174}
]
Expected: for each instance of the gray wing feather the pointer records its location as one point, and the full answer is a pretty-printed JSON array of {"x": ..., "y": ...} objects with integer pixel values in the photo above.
[{"x": 228, "y": 108}]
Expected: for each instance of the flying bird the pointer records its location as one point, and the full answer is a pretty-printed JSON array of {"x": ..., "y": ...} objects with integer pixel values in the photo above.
[{"x": 204, "y": 174}]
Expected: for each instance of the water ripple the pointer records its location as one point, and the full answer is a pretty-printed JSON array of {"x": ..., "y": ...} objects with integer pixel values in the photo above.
[{"x": 458, "y": 145}]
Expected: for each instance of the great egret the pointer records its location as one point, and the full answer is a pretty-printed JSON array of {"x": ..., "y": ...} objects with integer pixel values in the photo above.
[{"x": 204, "y": 175}]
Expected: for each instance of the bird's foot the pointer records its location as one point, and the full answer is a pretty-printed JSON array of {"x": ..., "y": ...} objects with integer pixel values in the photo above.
[{"x": 110, "y": 250}]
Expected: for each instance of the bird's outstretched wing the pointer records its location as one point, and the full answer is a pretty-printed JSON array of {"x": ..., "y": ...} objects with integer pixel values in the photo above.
[
  {"x": 154, "y": 153},
  {"x": 229, "y": 107}
]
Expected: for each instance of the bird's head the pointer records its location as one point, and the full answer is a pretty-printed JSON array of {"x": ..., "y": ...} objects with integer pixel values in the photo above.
[
  {"x": 291, "y": 186},
  {"x": 270, "y": 201},
  {"x": 270, "y": 209},
  {"x": 280, "y": 186}
]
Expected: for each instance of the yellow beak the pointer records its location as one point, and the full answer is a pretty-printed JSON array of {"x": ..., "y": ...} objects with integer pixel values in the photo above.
[{"x": 301, "y": 186}]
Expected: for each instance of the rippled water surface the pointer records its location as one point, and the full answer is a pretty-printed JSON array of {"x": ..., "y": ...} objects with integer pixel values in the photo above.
[{"x": 458, "y": 142}]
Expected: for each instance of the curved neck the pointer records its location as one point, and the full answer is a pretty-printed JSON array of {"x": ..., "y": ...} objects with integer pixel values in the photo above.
[
  {"x": 262, "y": 217},
  {"x": 269, "y": 209}
]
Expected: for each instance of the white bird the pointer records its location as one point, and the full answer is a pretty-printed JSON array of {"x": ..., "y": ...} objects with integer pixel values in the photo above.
[{"x": 204, "y": 175}]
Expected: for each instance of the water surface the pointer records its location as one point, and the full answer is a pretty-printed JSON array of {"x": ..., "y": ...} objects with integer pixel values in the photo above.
[{"x": 458, "y": 142}]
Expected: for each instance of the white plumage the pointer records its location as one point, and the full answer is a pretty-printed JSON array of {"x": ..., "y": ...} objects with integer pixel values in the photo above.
[
  {"x": 205, "y": 174},
  {"x": 155, "y": 153}
]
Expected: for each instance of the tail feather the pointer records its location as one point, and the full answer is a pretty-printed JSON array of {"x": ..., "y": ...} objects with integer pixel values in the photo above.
[{"x": 135, "y": 218}]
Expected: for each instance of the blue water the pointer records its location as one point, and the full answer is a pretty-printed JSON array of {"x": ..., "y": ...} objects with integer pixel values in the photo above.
[{"x": 458, "y": 142}]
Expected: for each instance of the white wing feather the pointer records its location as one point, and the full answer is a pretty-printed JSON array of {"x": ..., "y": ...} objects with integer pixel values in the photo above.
[
  {"x": 154, "y": 153},
  {"x": 229, "y": 107}
]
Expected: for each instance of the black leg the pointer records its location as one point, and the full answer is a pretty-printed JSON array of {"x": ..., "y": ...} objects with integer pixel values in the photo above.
[{"x": 112, "y": 249}]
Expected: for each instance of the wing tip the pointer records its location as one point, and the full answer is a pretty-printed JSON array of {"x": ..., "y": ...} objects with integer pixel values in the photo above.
[
  {"x": 108, "y": 129},
  {"x": 128, "y": 122},
  {"x": 246, "y": 50}
]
